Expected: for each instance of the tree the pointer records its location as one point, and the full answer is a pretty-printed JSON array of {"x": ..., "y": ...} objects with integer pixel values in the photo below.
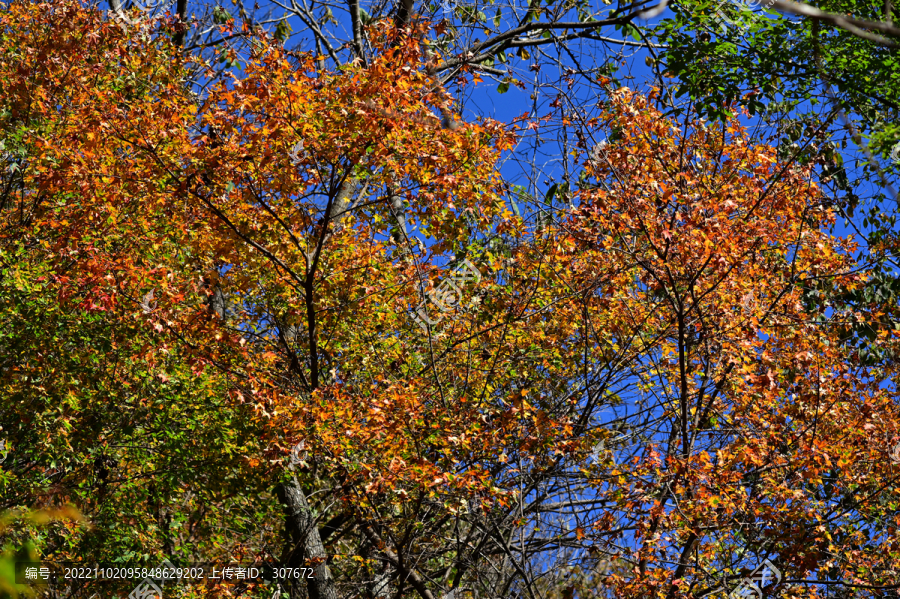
[{"x": 300, "y": 229}]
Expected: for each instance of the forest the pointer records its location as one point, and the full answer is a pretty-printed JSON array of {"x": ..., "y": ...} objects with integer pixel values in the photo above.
[{"x": 449, "y": 299}]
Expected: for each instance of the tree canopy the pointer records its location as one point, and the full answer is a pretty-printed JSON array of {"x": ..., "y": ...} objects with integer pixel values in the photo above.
[{"x": 271, "y": 303}]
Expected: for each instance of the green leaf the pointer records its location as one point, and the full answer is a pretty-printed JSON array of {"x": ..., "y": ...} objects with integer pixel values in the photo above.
[
  {"x": 551, "y": 193},
  {"x": 282, "y": 30},
  {"x": 515, "y": 207}
]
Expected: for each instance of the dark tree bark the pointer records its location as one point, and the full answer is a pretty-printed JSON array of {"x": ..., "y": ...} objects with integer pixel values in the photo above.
[
  {"x": 181, "y": 12},
  {"x": 404, "y": 9},
  {"x": 306, "y": 546}
]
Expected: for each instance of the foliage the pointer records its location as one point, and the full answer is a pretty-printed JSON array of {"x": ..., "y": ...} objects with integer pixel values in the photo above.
[{"x": 197, "y": 286}]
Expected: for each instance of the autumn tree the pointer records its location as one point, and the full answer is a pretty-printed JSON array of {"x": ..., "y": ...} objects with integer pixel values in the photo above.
[{"x": 232, "y": 313}]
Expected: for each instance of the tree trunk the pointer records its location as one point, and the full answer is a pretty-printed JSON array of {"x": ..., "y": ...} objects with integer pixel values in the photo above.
[{"x": 306, "y": 543}]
